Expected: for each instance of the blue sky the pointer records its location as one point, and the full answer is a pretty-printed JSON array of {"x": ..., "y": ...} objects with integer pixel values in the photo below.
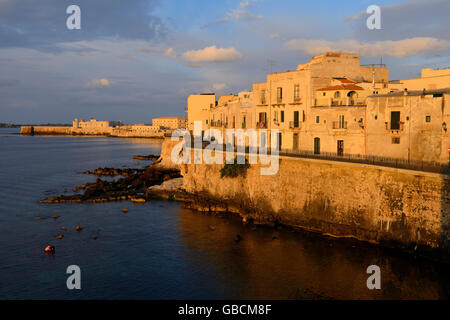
[{"x": 137, "y": 59}]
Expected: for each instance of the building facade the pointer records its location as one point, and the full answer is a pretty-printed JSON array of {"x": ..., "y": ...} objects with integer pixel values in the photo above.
[{"x": 334, "y": 105}]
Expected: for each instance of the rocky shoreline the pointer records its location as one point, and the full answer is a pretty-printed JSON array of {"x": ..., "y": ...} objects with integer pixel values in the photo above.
[{"x": 132, "y": 184}]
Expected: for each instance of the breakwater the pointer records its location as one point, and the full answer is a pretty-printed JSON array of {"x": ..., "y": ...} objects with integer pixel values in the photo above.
[
  {"x": 109, "y": 131},
  {"x": 394, "y": 207}
]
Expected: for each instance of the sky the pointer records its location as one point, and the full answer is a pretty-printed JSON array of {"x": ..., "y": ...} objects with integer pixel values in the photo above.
[{"x": 133, "y": 60}]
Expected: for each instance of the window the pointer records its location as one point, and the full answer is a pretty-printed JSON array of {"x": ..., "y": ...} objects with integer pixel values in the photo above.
[
  {"x": 324, "y": 94},
  {"x": 395, "y": 120},
  {"x": 295, "y": 119},
  {"x": 263, "y": 96},
  {"x": 337, "y": 94},
  {"x": 296, "y": 93},
  {"x": 317, "y": 119},
  {"x": 395, "y": 140},
  {"x": 279, "y": 94},
  {"x": 428, "y": 118},
  {"x": 275, "y": 116},
  {"x": 341, "y": 123},
  {"x": 282, "y": 116},
  {"x": 206, "y": 121}
]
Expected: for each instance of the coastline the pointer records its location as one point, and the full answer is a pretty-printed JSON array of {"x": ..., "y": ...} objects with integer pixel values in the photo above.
[{"x": 404, "y": 209}]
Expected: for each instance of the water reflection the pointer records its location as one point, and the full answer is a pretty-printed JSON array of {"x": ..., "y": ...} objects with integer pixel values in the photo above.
[{"x": 279, "y": 264}]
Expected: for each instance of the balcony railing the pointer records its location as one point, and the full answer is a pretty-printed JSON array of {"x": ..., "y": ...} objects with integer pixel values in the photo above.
[
  {"x": 419, "y": 165},
  {"x": 261, "y": 125},
  {"x": 340, "y": 125},
  {"x": 216, "y": 123},
  {"x": 295, "y": 125},
  {"x": 328, "y": 102},
  {"x": 394, "y": 126}
]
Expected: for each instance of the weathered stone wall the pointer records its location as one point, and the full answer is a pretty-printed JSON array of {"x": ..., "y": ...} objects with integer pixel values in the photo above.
[
  {"x": 45, "y": 130},
  {"x": 379, "y": 204},
  {"x": 91, "y": 131}
]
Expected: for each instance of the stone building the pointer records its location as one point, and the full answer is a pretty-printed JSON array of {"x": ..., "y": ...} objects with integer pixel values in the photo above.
[
  {"x": 334, "y": 105},
  {"x": 169, "y": 123},
  {"x": 412, "y": 125}
]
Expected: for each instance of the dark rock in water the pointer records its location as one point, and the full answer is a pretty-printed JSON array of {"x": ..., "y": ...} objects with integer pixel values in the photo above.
[
  {"x": 125, "y": 210},
  {"x": 63, "y": 228},
  {"x": 149, "y": 157},
  {"x": 60, "y": 236},
  {"x": 131, "y": 186},
  {"x": 212, "y": 228},
  {"x": 237, "y": 238},
  {"x": 55, "y": 216},
  {"x": 78, "y": 228},
  {"x": 39, "y": 218}
]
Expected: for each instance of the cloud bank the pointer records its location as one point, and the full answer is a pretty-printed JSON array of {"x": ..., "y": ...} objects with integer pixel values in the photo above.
[
  {"x": 395, "y": 48},
  {"x": 212, "y": 54}
]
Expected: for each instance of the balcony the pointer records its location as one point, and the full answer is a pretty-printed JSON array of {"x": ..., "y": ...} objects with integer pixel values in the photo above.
[
  {"x": 216, "y": 123},
  {"x": 339, "y": 125},
  {"x": 343, "y": 102},
  {"x": 279, "y": 100},
  {"x": 261, "y": 125},
  {"x": 295, "y": 125},
  {"x": 395, "y": 126},
  {"x": 297, "y": 100}
]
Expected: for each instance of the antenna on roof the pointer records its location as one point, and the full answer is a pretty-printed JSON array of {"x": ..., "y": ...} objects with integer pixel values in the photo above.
[{"x": 270, "y": 64}]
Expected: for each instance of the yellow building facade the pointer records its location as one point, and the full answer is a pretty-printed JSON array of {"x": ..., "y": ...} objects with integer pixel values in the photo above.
[{"x": 334, "y": 105}]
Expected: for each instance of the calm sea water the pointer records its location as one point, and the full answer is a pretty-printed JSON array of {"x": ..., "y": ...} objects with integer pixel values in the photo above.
[{"x": 160, "y": 250}]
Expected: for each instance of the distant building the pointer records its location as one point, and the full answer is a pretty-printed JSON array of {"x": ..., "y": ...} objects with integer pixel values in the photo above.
[{"x": 169, "y": 123}]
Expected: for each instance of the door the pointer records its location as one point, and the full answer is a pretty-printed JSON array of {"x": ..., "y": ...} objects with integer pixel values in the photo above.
[
  {"x": 295, "y": 142},
  {"x": 280, "y": 140},
  {"x": 316, "y": 145},
  {"x": 340, "y": 147}
]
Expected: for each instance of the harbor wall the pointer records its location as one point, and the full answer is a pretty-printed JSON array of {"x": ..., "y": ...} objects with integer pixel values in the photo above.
[{"x": 397, "y": 207}]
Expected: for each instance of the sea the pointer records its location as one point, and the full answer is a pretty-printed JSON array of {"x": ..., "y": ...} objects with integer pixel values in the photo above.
[{"x": 160, "y": 250}]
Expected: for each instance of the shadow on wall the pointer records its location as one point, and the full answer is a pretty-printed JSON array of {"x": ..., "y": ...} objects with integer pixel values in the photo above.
[{"x": 444, "y": 280}]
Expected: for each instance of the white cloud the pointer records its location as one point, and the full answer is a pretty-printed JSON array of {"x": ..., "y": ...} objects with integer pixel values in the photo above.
[
  {"x": 212, "y": 54},
  {"x": 219, "y": 86},
  {"x": 103, "y": 82},
  {"x": 170, "y": 53},
  {"x": 240, "y": 13},
  {"x": 397, "y": 48},
  {"x": 245, "y": 4}
]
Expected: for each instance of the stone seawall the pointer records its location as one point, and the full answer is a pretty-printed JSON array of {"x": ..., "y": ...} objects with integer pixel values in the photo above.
[
  {"x": 396, "y": 207},
  {"x": 45, "y": 130},
  {"x": 70, "y": 131}
]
